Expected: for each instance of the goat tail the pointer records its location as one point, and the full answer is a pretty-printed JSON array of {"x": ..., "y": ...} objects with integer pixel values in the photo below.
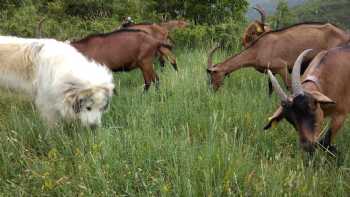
[{"x": 165, "y": 50}]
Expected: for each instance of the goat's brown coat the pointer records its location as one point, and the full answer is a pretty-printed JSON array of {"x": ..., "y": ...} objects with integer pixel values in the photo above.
[
  {"x": 278, "y": 50},
  {"x": 326, "y": 81},
  {"x": 123, "y": 50},
  {"x": 158, "y": 33},
  {"x": 161, "y": 32}
]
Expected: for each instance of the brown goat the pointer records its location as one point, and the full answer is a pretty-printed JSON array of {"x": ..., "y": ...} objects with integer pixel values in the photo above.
[
  {"x": 256, "y": 28},
  {"x": 323, "y": 91},
  {"x": 38, "y": 30},
  {"x": 278, "y": 50},
  {"x": 123, "y": 50},
  {"x": 174, "y": 24},
  {"x": 159, "y": 33}
]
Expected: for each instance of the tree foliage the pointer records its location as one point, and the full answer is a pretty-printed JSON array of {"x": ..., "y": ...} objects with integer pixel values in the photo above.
[
  {"x": 336, "y": 12},
  {"x": 218, "y": 20},
  {"x": 283, "y": 16},
  {"x": 203, "y": 12}
]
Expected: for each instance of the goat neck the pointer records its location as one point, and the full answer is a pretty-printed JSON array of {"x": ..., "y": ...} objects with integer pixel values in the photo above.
[{"x": 246, "y": 58}]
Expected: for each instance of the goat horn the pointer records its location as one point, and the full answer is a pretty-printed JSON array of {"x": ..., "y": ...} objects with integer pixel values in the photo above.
[
  {"x": 296, "y": 83},
  {"x": 210, "y": 56},
  {"x": 39, "y": 28},
  {"x": 277, "y": 87},
  {"x": 262, "y": 13}
]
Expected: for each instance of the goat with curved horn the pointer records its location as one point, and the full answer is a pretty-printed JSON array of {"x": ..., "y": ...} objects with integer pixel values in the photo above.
[
  {"x": 276, "y": 86},
  {"x": 256, "y": 28},
  {"x": 296, "y": 83},
  {"x": 262, "y": 13},
  {"x": 274, "y": 49},
  {"x": 210, "y": 56},
  {"x": 325, "y": 93},
  {"x": 38, "y": 31}
]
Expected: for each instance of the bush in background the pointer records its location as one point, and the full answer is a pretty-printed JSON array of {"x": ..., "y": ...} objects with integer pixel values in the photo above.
[
  {"x": 66, "y": 19},
  {"x": 227, "y": 34}
]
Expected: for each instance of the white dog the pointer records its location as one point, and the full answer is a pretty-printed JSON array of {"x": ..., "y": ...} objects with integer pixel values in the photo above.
[{"x": 63, "y": 83}]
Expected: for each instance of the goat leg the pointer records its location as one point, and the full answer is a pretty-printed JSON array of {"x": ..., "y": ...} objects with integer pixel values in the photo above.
[
  {"x": 336, "y": 123},
  {"x": 161, "y": 62},
  {"x": 325, "y": 142},
  {"x": 165, "y": 52},
  {"x": 149, "y": 75},
  {"x": 270, "y": 87},
  {"x": 285, "y": 77}
]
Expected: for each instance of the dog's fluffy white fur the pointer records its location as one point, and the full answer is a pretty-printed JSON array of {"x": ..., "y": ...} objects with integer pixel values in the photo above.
[{"x": 63, "y": 83}]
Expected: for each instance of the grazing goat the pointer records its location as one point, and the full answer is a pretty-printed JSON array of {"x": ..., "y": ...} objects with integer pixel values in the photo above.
[
  {"x": 323, "y": 91},
  {"x": 62, "y": 82},
  {"x": 174, "y": 24},
  {"x": 161, "y": 32},
  {"x": 278, "y": 50},
  {"x": 124, "y": 50},
  {"x": 256, "y": 28},
  {"x": 38, "y": 30},
  {"x": 158, "y": 33}
]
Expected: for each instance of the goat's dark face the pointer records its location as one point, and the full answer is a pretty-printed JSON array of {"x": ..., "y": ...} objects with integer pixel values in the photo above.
[
  {"x": 303, "y": 109},
  {"x": 216, "y": 78},
  {"x": 305, "y": 113}
]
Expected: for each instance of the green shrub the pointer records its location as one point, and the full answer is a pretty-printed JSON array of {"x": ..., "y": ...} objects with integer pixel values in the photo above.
[
  {"x": 227, "y": 34},
  {"x": 70, "y": 20}
]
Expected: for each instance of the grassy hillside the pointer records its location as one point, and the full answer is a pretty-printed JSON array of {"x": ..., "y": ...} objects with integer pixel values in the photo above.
[
  {"x": 269, "y": 6},
  {"x": 325, "y": 10},
  {"x": 183, "y": 140}
]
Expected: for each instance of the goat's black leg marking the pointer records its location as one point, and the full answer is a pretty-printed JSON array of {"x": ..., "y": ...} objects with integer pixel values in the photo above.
[
  {"x": 175, "y": 66},
  {"x": 161, "y": 63},
  {"x": 270, "y": 87},
  {"x": 326, "y": 142}
]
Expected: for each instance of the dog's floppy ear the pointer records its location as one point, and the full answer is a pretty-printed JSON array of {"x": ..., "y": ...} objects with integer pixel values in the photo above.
[
  {"x": 77, "y": 104},
  {"x": 72, "y": 97}
]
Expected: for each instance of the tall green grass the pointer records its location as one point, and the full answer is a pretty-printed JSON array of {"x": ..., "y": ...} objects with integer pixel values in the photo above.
[{"x": 180, "y": 140}]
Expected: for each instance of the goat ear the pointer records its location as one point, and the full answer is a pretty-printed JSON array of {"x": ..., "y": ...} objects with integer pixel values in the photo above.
[
  {"x": 322, "y": 99},
  {"x": 275, "y": 118},
  {"x": 259, "y": 28}
]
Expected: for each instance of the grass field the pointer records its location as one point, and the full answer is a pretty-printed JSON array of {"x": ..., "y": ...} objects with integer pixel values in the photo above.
[{"x": 183, "y": 140}]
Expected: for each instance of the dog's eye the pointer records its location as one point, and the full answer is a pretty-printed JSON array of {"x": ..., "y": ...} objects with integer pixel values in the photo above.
[{"x": 88, "y": 108}]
